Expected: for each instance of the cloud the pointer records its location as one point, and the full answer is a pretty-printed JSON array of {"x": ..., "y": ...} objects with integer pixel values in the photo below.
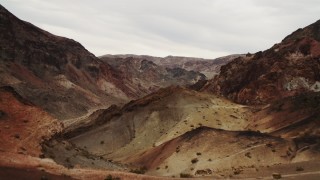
[{"x": 199, "y": 28}]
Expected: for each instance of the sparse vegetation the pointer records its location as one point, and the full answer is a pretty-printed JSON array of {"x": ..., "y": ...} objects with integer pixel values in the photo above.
[
  {"x": 248, "y": 154},
  {"x": 140, "y": 170},
  {"x": 101, "y": 142},
  {"x": 194, "y": 160},
  {"x": 109, "y": 177},
  {"x": 276, "y": 176},
  {"x": 198, "y": 153},
  {"x": 185, "y": 175},
  {"x": 233, "y": 116},
  {"x": 203, "y": 172},
  {"x": 177, "y": 149},
  {"x": 17, "y": 136},
  {"x": 299, "y": 168},
  {"x": 237, "y": 171}
]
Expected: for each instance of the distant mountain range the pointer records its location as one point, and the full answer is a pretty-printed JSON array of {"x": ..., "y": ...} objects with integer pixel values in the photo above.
[{"x": 208, "y": 67}]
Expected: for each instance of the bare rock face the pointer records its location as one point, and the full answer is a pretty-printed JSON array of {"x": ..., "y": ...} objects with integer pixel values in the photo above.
[
  {"x": 288, "y": 68},
  {"x": 56, "y": 73},
  {"x": 148, "y": 76}
]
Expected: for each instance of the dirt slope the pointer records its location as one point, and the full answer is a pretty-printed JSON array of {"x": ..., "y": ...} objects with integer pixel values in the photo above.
[
  {"x": 165, "y": 130},
  {"x": 23, "y": 128},
  {"x": 155, "y": 119}
]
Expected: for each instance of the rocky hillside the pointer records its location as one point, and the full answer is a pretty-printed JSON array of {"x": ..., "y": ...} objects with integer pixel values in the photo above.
[
  {"x": 208, "y": 67},
  {"x": 173, "y": 131},
  {"x": 148, "y": 76},
  {"x": 61, "y": 76},
  {"x": 286, "y": 69},
  {"x": 54, "y": 72}
]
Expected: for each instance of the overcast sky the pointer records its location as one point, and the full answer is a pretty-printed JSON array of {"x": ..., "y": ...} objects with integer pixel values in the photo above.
[{"x": 197, "y": 28}]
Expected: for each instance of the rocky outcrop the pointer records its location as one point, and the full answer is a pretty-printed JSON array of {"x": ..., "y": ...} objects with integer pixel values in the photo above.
[
  {"x": 286, "y": 69},
  {"x": 147, "y": 77}
]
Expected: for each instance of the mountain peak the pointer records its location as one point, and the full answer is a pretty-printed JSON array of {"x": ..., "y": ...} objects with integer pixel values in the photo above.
[
  {"x": 311, "y": 31},
  {"x": 286, "y": 69}
]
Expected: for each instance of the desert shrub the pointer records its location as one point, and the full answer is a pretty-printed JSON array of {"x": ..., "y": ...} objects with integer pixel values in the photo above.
[
  {"x": 177, "y": 149},
  {"x": 17, "y": 136},
  {"x": 184, "y": 175},
  {"x": 248, "y": 154},
  {"x": 109, "y": 177},
  {"x": 140, "y": 170},
  {"x": 237, "y": 171},
  {"x": 299, "y": 168},
  {"x": 194, "y": 160},
  {"x": 276, "y": 176},
  {"x": 198, "y": 153}
]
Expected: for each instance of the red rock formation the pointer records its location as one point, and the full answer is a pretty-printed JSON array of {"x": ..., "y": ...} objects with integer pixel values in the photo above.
[
  {"x": 288, "y": 68},
  {"x": 22, "y": 125}
]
